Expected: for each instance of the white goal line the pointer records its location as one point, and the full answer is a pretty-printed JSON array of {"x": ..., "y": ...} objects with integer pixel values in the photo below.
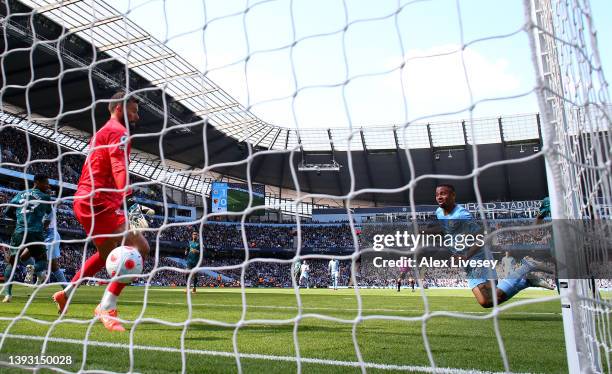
[{"x": 254, "y": 356}]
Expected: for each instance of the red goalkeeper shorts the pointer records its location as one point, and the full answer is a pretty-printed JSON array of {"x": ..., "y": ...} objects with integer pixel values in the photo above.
[{"x": 98, "y": 219}]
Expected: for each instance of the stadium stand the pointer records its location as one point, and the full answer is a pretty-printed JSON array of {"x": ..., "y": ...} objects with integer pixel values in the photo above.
[{"x": 222, "y": 239}]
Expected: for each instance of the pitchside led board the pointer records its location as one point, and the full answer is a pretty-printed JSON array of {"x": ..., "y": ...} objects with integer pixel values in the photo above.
[{"x": 234, "y": 197}]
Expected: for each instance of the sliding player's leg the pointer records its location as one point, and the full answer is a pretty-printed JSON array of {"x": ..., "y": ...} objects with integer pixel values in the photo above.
[{"x": 516, "y": 281}]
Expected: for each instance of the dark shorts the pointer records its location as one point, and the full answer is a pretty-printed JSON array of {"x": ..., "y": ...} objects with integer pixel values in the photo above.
[{"x": 18, "y": 243}]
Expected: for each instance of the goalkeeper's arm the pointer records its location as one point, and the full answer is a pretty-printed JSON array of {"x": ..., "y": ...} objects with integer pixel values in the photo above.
[{"x": 136, "y": 213}]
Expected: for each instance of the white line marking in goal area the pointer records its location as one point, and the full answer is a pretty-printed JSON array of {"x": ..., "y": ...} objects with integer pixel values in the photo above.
[
  {"x": 338, "y": 309},
  {"x": 255, "y": 356}
]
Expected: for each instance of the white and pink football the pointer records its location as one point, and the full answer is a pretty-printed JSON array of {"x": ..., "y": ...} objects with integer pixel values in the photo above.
[{"x": 124, "y": 260}]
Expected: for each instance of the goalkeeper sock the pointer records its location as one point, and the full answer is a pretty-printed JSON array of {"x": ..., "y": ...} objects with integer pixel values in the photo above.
[
  {"x": 7, "y": 274},
  {"x": 60, "y": 277},
  {"x": 92, "y": 265},
  {"x": 109, "y": 300}
]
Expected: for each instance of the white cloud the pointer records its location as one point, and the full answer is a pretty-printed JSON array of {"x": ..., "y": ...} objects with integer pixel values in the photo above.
[{"x": 439, "y": 84}]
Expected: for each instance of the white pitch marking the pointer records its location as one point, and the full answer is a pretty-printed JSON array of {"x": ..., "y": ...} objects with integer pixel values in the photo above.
[{"x": 372, "y": 365}]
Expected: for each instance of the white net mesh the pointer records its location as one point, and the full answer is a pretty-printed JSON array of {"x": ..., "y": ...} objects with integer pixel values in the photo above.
[
  {"x": 204, "y": 71},
  {"x": 575, "y": 99}
]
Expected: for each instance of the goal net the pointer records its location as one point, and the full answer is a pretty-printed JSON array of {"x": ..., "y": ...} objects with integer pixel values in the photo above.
[
  {"x": 574, "y": 99},
  {"x": 256, "y": 115}
]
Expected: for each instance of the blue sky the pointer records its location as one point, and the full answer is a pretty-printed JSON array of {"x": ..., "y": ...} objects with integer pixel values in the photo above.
[{"x": 304, "y": 86}]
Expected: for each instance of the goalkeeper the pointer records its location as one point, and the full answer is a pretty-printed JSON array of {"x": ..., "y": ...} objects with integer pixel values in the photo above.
[
  {"x": 33, "y": 205},
  {"x": 101, "y": 202}
]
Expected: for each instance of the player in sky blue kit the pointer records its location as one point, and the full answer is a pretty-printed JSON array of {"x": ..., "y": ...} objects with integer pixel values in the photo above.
[
  {"x": 334, "y": 270},
  {"x": 456, "y": 220},
  {"x": 305, "y": 273},
  {"x": 52, "y": 238},
  {"x": 297, "y": 266},
  {"x": 32, "y": 206}
]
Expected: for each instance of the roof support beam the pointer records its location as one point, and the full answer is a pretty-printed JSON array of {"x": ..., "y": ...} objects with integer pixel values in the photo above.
[
  {"x": 263, "y": 136},
  {"x": 124, "y": 43},
  {"x": 284, "y": 161},
  {"x": 59, "y": 4},
  {"x": 215, "y": 109},
  {"x": 338, "y": 174},
  {"x": 194, "y": 94},
  {"x": 249, "y": 133},
  {"x": 97, "y": 23},
  {"x": 174, "y": 77},
  {"x": 398, "y": 151},
  {"x": 151, "y": 60},
  {"x": 507, "y": 188},
  {"x": 275, "y": 137},
  {"x": 366, "y": 160}
]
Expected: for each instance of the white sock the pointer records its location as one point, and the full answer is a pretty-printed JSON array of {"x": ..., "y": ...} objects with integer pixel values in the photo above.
[
  {"x": 68, "y": 290},
  {"x": 41, "y": 277},
  {"x": 109, "y": 301}
]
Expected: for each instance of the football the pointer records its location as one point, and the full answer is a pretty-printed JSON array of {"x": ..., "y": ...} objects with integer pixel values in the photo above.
[{"x": 124, "y": 260}]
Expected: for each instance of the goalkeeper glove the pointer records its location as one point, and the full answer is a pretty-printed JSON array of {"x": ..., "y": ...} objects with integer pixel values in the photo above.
[{"x": 136, "y": 213}]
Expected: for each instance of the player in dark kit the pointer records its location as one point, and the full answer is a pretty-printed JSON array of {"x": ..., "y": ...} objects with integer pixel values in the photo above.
[
  {"x": 100, "y": 204},
  {"x": 29, "y": 208},
  {"x": 193, "y": 260}
]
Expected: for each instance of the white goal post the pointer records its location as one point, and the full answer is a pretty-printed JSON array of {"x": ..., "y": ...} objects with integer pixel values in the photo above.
[{"x": 576, "y": 132}]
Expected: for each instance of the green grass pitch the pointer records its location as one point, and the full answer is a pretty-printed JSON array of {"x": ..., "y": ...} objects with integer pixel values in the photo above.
[{"x": 532, "y": 334}]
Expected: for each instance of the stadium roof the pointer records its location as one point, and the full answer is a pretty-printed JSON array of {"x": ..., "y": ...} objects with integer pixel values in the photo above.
[
  {"x": 87, "y": 50},
  {"x": 114, "y": 34}
]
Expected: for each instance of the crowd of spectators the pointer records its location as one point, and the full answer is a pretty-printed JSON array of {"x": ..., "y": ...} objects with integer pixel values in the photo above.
[
  {"x": 229, "y": 237},
  {"x": 44, "y": 157}
]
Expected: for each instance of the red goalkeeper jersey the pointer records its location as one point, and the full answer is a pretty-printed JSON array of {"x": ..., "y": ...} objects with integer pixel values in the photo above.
[{"x": 106, "y": 166}]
